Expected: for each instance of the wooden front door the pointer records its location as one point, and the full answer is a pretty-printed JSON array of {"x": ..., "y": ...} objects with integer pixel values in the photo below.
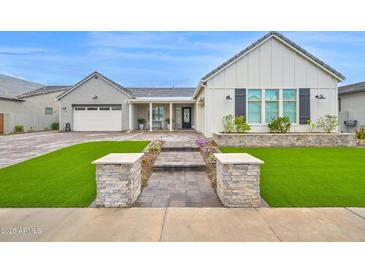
[
  {"x": 186, "y": 117},
  {"x": 1, "y": 123}
]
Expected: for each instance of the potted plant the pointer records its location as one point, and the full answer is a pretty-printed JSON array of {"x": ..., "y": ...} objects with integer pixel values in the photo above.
[{"x": 141, "y": 123}]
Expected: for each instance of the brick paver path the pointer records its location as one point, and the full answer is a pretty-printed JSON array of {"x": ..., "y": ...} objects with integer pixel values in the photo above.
[{"x": 179, "y": 179}]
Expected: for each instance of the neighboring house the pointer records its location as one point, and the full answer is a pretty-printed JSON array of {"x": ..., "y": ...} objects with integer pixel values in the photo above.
[
  {"x": 351, "y": 106},
  {"x": 270, "y": 78},
  {"x": 11, "y": 86},
  {"x": 35, "y": 110}
]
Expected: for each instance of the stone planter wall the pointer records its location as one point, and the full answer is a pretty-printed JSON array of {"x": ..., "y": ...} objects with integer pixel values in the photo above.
[
  {"x": 118, "y": 179},
  {"x": 286, "y": 139},
  {"x": 238, "y": 179}
]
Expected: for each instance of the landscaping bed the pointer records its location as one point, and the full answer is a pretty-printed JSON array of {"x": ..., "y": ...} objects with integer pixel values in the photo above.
[
  {"x": 62, "y": 178},
  {"x": 207, "y": 149},
  {"x": 310, "y": 177},
  {"x": 150, "y": 155}
]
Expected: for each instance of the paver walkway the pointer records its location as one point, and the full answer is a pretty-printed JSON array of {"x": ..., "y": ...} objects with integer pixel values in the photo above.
[
  {"x": 182, "y": 224},
  {"x": 179, "y": 179}
]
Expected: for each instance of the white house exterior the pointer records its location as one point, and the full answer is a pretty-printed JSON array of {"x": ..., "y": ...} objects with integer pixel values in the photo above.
[
  {"x": 351, "y": 106},
  {"x": 272, "y": 77}
]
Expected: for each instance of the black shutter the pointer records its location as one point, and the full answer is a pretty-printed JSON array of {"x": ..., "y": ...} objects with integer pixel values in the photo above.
[
  {"x": 240, "y": 102},
  {"x": 304, "y": 106}
]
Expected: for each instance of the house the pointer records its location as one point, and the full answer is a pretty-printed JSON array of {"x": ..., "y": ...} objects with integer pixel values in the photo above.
[
  {"x": 351, "y": 100},
  {"x": 34, "y": 110},
  {"x": 270, "y": 78}
]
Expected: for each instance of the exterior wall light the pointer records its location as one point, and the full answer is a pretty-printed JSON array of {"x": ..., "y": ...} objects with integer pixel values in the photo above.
[
  {"x": 320, "y": 97},
  {"x": 228, "y": 97},
  {"x": 95, "y": 97}
]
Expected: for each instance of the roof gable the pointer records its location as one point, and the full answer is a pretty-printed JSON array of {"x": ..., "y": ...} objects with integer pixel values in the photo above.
[
  {"x": 286, "y": 42},
  {"x": 97, "y": 75}
]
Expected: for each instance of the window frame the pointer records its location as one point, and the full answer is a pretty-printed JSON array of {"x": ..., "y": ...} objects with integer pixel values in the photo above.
[
  {"x": 50, "y": 111},
  {"x": 280, "y": 104},
  {"x": 163, "y": 113}
]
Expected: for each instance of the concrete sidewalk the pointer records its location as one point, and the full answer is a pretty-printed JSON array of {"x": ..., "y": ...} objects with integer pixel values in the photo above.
[{"x": 183, "y": 224}]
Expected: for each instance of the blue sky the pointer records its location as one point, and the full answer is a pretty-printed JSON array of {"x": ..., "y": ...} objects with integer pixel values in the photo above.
[{"x": 156, "y": 58}]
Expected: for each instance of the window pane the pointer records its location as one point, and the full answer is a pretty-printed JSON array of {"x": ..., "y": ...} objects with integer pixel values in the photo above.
[
  {"x": 254, "y": 94},
  {"x": 254, "y": 112},
  {"x": 271, "y": 94},
  {"x": 290, "y": 110},
  {"x": 289, "y": 94},
  {"x": 271, "y": 111}
]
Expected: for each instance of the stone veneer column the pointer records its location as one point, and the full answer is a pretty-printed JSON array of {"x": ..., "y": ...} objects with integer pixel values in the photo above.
[
  {"x": 118, "y": 179},
  {"x": 238, "y": 179}
]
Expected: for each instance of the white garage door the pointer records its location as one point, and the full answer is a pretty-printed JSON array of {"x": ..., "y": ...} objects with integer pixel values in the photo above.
[{"x": 97, "y": 118}]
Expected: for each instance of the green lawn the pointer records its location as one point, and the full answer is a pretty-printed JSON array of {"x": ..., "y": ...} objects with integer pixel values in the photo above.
[
  {"x": 310, "y": 177},
  {"x": 63, "y": 178}
]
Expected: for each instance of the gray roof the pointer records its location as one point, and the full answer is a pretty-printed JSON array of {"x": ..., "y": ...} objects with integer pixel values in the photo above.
[
  {"x": 163, "y": 92},
  {"x": 45, "y": 90},
  {"x": 353, "y": 88},
  {"x": 10, "y": 98},
  {"x": 12, "y": 86},
  {"x": 279, "y": 35}
]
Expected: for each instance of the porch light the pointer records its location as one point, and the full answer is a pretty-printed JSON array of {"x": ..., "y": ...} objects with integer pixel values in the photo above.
[
  {"x": 320, "y": 97},
  {"x": 95, "y": 97},
  {"x": 228, "y": 97}
]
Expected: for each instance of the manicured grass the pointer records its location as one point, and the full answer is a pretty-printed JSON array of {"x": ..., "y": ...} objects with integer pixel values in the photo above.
[
  {"x": 310, "y": 177},
  {"x": 63, "y": 178}
]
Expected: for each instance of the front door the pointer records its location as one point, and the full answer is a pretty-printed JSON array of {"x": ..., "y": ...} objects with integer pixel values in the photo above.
[
  {"x": 186, "y": 117},
  {"x": 1, "y": 123}
]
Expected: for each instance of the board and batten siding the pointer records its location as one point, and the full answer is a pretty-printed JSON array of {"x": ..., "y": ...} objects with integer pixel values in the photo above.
[{"x": 272, "y": 65}]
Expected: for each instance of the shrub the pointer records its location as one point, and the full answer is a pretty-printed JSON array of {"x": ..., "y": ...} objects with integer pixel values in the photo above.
[
  {"x": 241, "y": 125},
  {"x": 280, "y": 124},
  {"x": 311, "y": 125},
  {"x": 360, "y": 134},
  {"x": 167, "y": 120},
  {"x": 55, "y": 126},
  {"x": 19, "y": 129},
  {"x": 228, "y": 123},
  {"x": 327, "y": 123},
  {"x": 141, "y": 121}
]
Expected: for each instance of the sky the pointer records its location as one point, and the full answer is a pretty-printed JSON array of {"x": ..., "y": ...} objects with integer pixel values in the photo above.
[{"x": 160, "y": 59}]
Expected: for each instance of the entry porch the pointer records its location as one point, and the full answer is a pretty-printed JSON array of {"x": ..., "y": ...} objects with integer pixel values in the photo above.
[{"x": 161, "y": 114}]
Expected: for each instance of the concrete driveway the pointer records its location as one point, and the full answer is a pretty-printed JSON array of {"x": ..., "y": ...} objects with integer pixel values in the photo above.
[
  {"x": 16, "y": 148},
  {"x": 183, "y": 224}
]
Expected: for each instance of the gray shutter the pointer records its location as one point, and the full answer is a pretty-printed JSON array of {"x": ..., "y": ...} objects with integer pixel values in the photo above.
[
  {"x": 240, "y": 102},
  {"x": 304, "y": 106}
]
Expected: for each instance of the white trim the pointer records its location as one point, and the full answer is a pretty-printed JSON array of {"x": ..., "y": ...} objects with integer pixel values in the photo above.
[
  {"x": 150, "y": 116},
  {"x": 89, "y": 78},
  {"x": 170, "y": 117},
  {"x": 130, "y": 116},
  {"x": 162, "y": 100}
]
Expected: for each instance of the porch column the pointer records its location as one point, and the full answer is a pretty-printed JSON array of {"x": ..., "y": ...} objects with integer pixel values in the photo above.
[
  {"x": 150, "y": 116},
  {"x": 170, "y": 116},
  {"x": 130, "y": 116}
]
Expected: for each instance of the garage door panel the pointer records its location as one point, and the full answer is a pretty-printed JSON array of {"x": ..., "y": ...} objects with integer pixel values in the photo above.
[{"x": 97, "y": 119}]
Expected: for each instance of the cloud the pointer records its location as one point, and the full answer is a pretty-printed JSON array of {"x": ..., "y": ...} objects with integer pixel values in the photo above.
[{"x": 22, "y": 51}]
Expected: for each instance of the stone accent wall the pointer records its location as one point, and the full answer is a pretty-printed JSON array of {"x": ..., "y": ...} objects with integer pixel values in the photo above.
[
  {"x": 118, "y": 185},
  {"x": 286, "y": 140},
  {"x": 238, "y": 185}
]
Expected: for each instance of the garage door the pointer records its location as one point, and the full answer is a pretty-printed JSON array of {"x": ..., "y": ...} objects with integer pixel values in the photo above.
[{"x": 97, "y": 118}]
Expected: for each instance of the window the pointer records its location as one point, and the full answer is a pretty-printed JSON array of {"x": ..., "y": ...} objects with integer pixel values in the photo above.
[
  {"x": 104, "y": 108},
  {"x": 271, "y": 104},
  {"x": 157, "y": 114},
  {"x": 117, "y": 108},
  {"x": 290, "y": 104},
  {"x": 92, "y": 108},
  {"x": 79, "y": 108},
  {"x": 254, "y": 106},
  {"x": 49, "y": 111}
]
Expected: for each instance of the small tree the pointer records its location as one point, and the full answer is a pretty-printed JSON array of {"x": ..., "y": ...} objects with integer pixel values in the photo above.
[
  {"x": 241, "y": 125},
  {"x": 279, "y": 125},
  {"x": 327, "y": 123},
  {"x": 228, "y": 123}
]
